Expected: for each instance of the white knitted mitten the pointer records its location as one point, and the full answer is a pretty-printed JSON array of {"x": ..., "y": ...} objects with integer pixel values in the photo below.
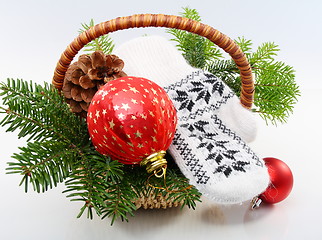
[
  {"x": 156, "y": 59},
  {"x": 206, "y": 146}
]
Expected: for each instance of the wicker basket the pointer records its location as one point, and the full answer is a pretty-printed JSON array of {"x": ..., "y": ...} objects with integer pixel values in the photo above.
[{"x": 167, "y": 21}]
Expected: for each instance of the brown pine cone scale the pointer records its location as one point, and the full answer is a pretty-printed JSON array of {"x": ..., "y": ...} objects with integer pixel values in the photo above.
[{"x": 84, "y": 77}]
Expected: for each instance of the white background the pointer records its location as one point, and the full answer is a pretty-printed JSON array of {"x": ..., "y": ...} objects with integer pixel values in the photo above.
[{"x": 34, "y": 34}]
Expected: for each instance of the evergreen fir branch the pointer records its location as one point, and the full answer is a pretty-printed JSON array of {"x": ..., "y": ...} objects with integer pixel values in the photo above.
[
  {"x": 197, "y": 50},
  {"x": 43, "y": 164},
  {"x": 84, "y": 186},
  {"x": 138, "y": 178},
  {"x": 190, "y": 13},
  {"x": 276, "y": 91},
  {"x": 119, "y": 202},
  {"x": 245, "y": 45},
  {"x": 99, "y": 183},
  {"x": 103, "y": 43},
  {"x": 264, "y": 53},
  {"x": 180, "y": 190},
  {"x": 39, "y": 112}
]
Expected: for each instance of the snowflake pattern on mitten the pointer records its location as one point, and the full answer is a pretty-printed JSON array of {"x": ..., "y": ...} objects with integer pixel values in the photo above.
[{"x": 215, "y": 159}]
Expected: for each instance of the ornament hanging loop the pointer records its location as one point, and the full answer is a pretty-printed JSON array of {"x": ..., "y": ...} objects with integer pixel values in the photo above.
[
  {"x": 156, "y": 163},
  {"x": 161, "y": 172}
]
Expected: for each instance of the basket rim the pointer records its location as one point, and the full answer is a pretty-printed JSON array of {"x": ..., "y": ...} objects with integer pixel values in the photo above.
[{"x": 167, "y": 21}]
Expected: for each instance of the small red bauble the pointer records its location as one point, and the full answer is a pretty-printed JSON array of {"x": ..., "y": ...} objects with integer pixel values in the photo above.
[
  {"x": 131, "y": 118},
  {"x": 281, "y": 179}
]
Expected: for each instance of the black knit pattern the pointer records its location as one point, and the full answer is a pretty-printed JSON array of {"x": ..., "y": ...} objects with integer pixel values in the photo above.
[{"x": 197, "y": 99}]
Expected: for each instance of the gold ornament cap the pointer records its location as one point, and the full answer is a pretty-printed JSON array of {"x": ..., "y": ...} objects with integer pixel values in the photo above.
[{"x": 155, "y": 163}]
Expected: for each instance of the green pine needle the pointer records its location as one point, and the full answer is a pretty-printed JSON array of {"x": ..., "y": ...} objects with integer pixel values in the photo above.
[
  {"x": 103, "y": 43},
  {"x": 197, "y": 50},
  {"x": 43, "y": 163}
]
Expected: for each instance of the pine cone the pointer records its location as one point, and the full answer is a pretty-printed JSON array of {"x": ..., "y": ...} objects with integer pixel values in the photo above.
[{"x": 84, "y": 77}]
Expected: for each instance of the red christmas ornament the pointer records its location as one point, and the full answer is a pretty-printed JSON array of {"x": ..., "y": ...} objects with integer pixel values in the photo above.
[
  {"x": 132, "y": 119},
  {"x": 281, "y": 181}
]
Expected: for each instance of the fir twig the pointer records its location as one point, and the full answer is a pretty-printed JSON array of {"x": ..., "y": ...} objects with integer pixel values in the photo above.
[
  {"x": 40, "y": 113},
  {"x": 43, "y": 164},
  {"x": 180, "y": 190},
  {"x": 103, "y": 43},
  {"x": 276, "y": 91},
  {"x": 197, "y": 50}
]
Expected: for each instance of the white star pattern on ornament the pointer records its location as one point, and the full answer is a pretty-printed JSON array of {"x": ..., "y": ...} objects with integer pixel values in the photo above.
[
  {"x": 90, "y": 115},
  {"x": 151, "y": 113},
  {"x": 94, "y": 120},
  {"x": 104, "y": 93},
  {"x": 134, "y": 101},
  {"x": 121, "y": 116},
  {"x": 133, "y": 89},
  {"x": 155, "y": 92},
  {"x": 116, "y": 107},
  {"x": 143, "y": 116},
  {"x": 138, "y": 134},
  {"x": 104, "y": 112},
  {"x": 112, "y": 124},
  {"x": 97, "y": 114},
  {"x": 156, "y": 100},
  {"x": 154, "y": 139},
  {"x": 113, "y": 88},
  {"x": 125, "y": 106}
]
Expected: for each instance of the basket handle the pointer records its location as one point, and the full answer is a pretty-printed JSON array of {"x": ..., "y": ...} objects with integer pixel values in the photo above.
[{"x": 161, "y": 20}]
